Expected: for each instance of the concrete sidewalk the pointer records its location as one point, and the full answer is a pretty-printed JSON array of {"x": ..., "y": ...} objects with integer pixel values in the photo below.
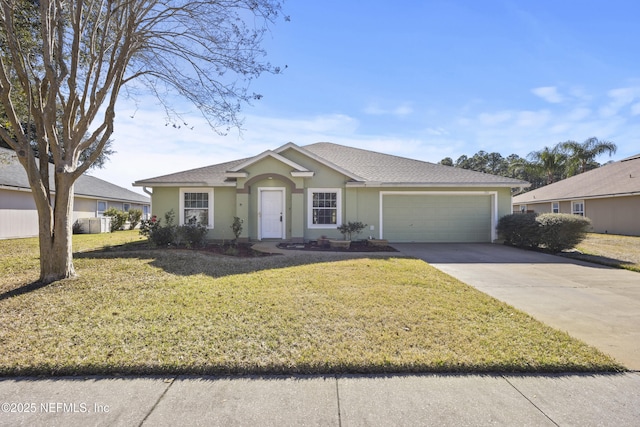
[{"x": 439, "y": 400}]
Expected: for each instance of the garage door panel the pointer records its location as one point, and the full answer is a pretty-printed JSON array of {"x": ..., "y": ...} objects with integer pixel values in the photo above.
[{"x": 437, "y": 218}]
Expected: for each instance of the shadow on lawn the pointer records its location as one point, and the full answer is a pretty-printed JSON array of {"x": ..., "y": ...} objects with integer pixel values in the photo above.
[
  {"x": 187, "y": 262},
  {"x": 602, "y": 260},
  {"x": 25, "y": 289}
]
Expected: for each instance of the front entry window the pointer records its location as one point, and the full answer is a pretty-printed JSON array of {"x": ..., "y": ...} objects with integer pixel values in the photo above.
[
  {"x": 324, "y": 208},
  {"x": 196, "y": 206}
]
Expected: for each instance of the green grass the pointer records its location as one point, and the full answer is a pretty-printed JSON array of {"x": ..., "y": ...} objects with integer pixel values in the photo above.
[{"x": 178, "y": 311}]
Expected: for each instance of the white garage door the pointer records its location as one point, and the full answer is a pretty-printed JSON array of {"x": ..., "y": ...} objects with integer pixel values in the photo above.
[{"x": 436, "y": 218}]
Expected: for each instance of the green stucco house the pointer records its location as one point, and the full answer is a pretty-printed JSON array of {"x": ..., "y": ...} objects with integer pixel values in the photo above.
[{"x": 298, "y": 193}]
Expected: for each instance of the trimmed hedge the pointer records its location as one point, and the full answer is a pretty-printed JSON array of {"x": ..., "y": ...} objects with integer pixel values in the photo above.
[
  {"x": 554, "y": 232},
  {"x": 562, "y": 231},
  {"x": 519, "y": 230}
]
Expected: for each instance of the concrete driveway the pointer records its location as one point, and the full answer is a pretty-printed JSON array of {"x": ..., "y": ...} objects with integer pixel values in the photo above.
[{"x": 597, "y": 304}]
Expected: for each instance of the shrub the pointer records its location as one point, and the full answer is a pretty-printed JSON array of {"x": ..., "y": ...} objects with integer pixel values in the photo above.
[
  {"x": 519, "y": 230},
  {"x": 192, "y": 235},
  {"x": 236, "y": 227},
  {"x": 160, "y": 235},
  {"x": 562, "y": 231},
  {"x": 77, "y": 228},
  {"x": 351, "y": 228},
  {"x": 118, "y": 218},
  {"x": 553, "y": 232},
  {"x": 134, "y": 217}
]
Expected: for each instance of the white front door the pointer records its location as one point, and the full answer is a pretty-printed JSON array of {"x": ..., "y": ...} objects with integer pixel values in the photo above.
[{"x": 271, "y": 214}]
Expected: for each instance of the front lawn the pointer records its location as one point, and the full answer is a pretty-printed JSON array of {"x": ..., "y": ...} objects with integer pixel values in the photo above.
[{"x": 179, "y": 311}]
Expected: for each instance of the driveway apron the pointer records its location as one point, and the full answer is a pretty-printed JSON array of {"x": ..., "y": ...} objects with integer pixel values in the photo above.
[{"x": 597, "y": 304}]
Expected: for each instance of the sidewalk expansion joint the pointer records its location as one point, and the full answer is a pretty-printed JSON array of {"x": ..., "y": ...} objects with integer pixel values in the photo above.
[
  {"x": 530, "y": 401},
  {"x": 170, "y": 382},
  {"x": 338, "y": 400}
]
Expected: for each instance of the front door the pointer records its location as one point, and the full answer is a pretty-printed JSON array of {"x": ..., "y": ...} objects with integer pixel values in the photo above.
[{"x": 271, "y": 214}]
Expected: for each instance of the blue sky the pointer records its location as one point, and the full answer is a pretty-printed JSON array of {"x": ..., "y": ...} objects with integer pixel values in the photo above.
[{"x": 421, "y": 79}]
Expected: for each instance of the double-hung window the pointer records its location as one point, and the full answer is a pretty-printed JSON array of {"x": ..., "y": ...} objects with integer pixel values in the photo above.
[
  {"x": 577, "y": 208},
  {"x": 196, "y": 206},
  {"x": 102, "y": 206},
  {"x": 555, "y": 207},
  {"x": 324, "y": 207}
]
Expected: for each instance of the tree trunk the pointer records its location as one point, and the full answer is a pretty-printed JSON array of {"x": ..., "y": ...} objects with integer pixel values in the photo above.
[{"x": 56, "y": 254}]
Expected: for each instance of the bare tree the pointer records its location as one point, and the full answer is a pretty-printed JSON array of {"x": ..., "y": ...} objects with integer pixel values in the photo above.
[{"x": 63, "y": 64}]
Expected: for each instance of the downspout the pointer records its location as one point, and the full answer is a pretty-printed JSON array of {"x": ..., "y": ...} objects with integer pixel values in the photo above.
[{"x": 150, "y": 193}]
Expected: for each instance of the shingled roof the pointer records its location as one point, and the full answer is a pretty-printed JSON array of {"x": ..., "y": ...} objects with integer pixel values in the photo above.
[
  {"x": 13, "y": 175},
  {"x": 361, "y": 165},
  {"x": 620, "y": 178}
]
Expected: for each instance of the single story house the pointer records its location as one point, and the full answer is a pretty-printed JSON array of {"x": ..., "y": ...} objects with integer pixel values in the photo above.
[
  {"x": 18, "y": 214},
  {"x": 303, "y": 193},
  {"x": 609, "y": 196}
]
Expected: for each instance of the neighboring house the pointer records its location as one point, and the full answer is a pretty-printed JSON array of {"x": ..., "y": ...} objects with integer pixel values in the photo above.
[
  {"x": 18, "y": 214},
  {"x": 609, "y": 196},
  {"x": 302, "y": 193}
]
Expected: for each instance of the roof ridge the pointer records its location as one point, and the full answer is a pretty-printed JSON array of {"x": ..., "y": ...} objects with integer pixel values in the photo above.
[{"x": 371, "y": 151}]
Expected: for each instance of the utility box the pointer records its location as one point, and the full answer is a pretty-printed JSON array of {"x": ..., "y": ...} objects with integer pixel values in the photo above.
[{"x": 95, "y": 225}]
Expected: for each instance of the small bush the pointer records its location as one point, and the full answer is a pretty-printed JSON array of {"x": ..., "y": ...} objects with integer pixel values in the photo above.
[
  {"x": 77, "y": 228},
  {"x": 351, "y": 228},
  {"x": 562, "y": 231},
  {"x": 160, "y": 235},
  {"x": 519, "y": 230},
  {"x": 134, "y": 217},
  {"x": 118, "y": 218},
  {"x": 193, "y": 235},
  {"x": 236, "y": 228}
]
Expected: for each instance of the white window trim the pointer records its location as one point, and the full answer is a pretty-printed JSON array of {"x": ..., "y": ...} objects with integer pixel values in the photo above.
[
  {"x": 553, "y": 204},
  {"x": 573, "y": 208},
  {"x": 184, "y": 190},
  {"x": 310, "y": 223},
  {"x": 100, "y": 213}
]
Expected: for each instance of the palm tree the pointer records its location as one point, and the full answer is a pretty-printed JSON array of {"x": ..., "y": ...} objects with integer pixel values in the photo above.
[
  {"x": 550, "y": 162},
  {"x": 581, "y": 157}
]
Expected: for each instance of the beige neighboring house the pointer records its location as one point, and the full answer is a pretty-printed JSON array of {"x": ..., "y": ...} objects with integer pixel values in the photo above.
[
  {"x": 301, "y": 193},
  {"x": 18, "y": 214},
  {"x": 609, "y": 196}
]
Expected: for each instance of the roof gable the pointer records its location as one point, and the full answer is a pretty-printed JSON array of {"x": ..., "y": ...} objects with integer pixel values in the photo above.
[
  {"x": 614, "y": 179},
  {"x": 267, "y": 154},
  {"x": 319, "y": 159}
]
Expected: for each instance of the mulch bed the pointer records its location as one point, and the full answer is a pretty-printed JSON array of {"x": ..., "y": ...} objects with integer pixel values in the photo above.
[{"x": 356, "y": 246}]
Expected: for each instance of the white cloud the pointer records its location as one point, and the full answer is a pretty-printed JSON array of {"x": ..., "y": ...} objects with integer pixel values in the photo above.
[
  {"x": 548, "y": 93},
  {"x": 401, "y": 110},
  {"x": 635, "y": 109},
  {"x": 579, "y": 113},
  {"x": 619, "y": 99},
  {"x": 533, "y": 118},
  {"x": 492, "y": 119},
  {"x": 439, "y": 131}
]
